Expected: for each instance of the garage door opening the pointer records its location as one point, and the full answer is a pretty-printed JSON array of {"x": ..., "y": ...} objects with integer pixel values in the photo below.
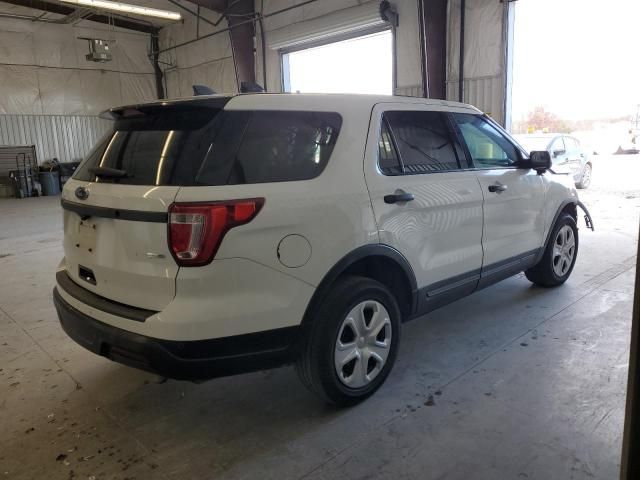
[{"x": 358, "y": 65}]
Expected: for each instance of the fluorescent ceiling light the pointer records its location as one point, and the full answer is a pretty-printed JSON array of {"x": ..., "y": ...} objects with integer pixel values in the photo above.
[{"x": 127, "y": 8}]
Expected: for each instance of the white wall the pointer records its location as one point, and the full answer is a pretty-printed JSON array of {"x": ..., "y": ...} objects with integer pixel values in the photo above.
[
  {"x": 43, "y": 70},
  {"x": 207, "y": 61}
]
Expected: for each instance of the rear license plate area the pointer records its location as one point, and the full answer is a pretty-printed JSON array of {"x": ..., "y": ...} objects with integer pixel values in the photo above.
[{"x": 86, "y": 236}]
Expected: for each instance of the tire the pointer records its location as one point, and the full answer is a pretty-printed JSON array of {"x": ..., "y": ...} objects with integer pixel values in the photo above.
[
  {"x": 558, "y": 260},
  {"x": 332, "y": 337},
  {"x": 585, "y": 179}
]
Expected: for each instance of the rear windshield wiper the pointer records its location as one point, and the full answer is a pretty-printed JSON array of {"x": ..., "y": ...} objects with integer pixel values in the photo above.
[{"x": 106, "y": 172}]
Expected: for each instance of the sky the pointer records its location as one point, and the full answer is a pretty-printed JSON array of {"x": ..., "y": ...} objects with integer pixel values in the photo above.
[
  {"x": 578, "y": 58},
  {"x": 364, "y": 64}
]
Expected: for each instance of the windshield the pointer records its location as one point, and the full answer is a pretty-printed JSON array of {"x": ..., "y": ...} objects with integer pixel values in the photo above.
[{"x": 532, "y": 144}]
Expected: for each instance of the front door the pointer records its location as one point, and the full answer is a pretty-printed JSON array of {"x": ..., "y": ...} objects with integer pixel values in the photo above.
[
  {"x": 427, "y": 202},
  {"x": 574, "y": 157},
  {"x": 513, "y": 198}
]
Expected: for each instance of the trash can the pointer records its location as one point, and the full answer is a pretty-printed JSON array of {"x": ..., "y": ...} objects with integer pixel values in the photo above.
[{"x": 50, "y": 183}]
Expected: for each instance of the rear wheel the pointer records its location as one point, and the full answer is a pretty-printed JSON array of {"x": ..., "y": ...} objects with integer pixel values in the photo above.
[
  {"x": 352, "y": 341},
  {"x": 585, "y": 180},
  {"x": 559, "y": 256}
]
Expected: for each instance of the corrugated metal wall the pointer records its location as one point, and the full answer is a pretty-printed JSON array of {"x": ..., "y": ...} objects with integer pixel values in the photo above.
[
  {"x": 412, "y": 91},
  {"x": 485, "y": 93},
  {"x": 16, "y": 158},
  {"x": 65, "y": 137}
]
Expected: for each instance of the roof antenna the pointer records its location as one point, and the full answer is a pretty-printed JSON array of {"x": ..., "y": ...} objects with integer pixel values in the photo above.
[
  {"x": 202, "y": 90},
  {"x": 250, "y": 87}
]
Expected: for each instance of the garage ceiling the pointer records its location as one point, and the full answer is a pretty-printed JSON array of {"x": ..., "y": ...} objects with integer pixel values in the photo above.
[{"x": 55, "y": 10}]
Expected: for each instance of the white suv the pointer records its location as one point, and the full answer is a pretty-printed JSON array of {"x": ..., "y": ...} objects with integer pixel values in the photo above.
[{"x": 224, "y": 234}]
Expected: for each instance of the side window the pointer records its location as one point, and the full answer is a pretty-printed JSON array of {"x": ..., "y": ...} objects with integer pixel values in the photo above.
[
  {"x": 489, "y": 148},
  {"x": 424, "y": 141},
  {"x": 285, "y": 146},
  {"x": 559, "y": 145},
  {"x": 570, "y": 144},
  {"x": 388, "y": 160}
]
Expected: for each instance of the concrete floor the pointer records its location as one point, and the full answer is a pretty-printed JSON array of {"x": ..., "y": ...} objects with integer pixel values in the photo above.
[{"x": 524, "y": 382}]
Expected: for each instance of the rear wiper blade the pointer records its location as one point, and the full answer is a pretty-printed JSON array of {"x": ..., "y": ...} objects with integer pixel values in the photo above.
[{"x": 106, "y": 172}]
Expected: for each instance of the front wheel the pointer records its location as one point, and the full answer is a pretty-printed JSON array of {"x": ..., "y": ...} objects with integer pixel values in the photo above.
[
  {"x": 352, "y": 341},
  {"x": 585, "y": 179},
  {"x": 559, "y": 258}
]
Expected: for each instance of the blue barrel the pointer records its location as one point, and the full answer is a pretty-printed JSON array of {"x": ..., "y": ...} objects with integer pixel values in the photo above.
[{"x": 50, "y": 183}]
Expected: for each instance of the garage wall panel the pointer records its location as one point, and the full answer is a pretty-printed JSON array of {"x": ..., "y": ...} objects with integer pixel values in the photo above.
[
  {"x": 43, "y": 70},
  {"x": 66, "y": 137},
  {"x": 484, "y": 55},
  {"x": 206, "y": 61}
]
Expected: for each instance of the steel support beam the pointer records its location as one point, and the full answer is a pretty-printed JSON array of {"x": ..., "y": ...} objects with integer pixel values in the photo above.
[
  {"x": 216, "y": 5},
  {"x": 242, "y": 37},
  {"x": 241, "y": 17},
  {"x": 433, "y": 43}
]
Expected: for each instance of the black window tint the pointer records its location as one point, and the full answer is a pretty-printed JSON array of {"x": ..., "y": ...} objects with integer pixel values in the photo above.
[
  {"x": 226, "y": 135},
  {"x": 488, "y": 147},
  {"x": 388, "y": 160},
  {"x": 285, "y": 146},
  {"x": 215, "y": 147},
  {"x": 157, "y": 148},
  {"x": 424, "y": 141},
  {"x": 92, "y": 159}
]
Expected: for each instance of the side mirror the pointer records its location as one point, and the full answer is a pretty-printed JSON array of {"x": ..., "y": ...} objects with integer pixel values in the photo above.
[
  {"x": 557, "y": 153},
  {"x": 540, "y": 161}
]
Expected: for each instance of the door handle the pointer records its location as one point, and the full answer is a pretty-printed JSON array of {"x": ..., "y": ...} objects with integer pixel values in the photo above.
[
  {"x": 497, "y": 188},
  {"x": 399, "y": 197}
]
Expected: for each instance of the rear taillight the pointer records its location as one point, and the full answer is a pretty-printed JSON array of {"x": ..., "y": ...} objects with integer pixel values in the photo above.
[{"x": 197, "y": 229}]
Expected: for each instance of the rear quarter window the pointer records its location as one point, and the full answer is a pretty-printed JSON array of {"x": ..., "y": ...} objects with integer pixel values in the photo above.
[{"x": 217, "y": 147}]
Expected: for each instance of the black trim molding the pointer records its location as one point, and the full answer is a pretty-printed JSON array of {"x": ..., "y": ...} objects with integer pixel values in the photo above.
[
  {"x": 367, "y": 251},
  {"x": 87, "y": 211},
  {"x": 182, "y": 360},
  {"x": 447, "y": 291},
  {"x": 507, "y": 268},
  {"x": 562, "y": 206},
  {"x": 100, "y": 303}
]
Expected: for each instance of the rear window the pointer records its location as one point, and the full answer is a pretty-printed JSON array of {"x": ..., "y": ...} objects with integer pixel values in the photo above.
[{"x": 215, "y": 147}]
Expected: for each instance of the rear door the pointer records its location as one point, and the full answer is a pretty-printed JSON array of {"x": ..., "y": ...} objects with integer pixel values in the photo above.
[
  {"x": 115, "y": 242},
  {"x": 115, "y": 217},
  {"x": 427, "y": 203},
  {"x": 513, "y": 197}
]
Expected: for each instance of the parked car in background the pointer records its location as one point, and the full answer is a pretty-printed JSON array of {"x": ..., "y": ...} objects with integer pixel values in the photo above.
[{"x": 566, "y": 153}]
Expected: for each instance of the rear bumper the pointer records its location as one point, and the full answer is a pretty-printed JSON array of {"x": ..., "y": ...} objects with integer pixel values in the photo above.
[{"x": 183, "y": 360}]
